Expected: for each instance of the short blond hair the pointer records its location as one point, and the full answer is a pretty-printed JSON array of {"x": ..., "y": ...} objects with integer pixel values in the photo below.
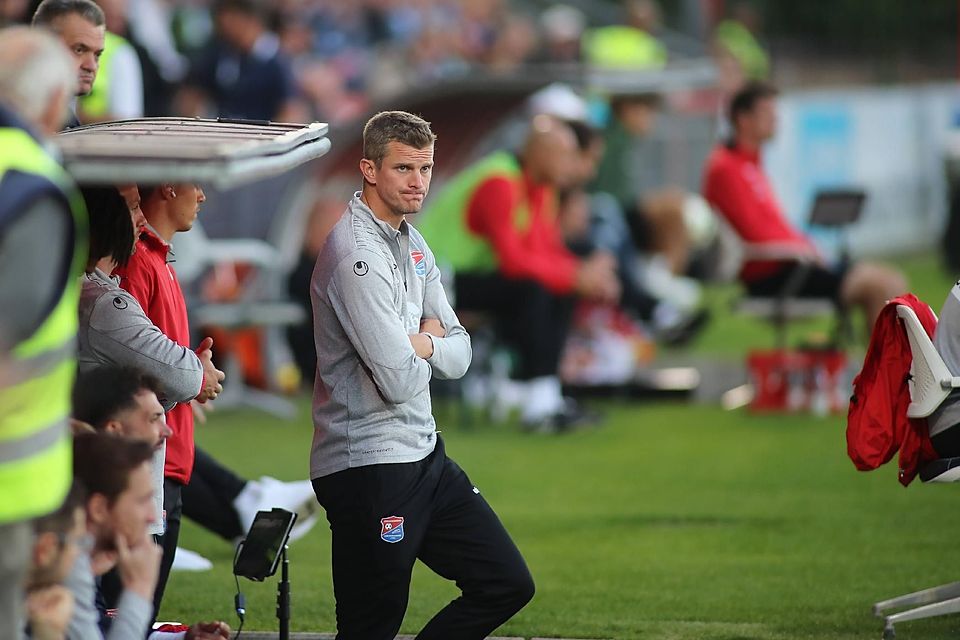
[{"x": 394, "y": 126}]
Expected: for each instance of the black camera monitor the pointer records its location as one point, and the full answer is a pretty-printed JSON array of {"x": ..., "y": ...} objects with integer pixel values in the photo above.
[{"x": 260, "y": 550}]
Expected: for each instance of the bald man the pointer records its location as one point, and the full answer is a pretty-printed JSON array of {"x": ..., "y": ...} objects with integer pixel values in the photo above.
[{"x": 495, "y": 225}]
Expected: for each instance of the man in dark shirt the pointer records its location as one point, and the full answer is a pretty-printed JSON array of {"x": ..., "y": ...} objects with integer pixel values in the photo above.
[{"x": 243, "y": 73}]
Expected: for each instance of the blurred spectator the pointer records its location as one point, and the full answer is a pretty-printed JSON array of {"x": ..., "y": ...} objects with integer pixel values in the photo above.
[
  {"x": 633, "y": 45},
  {"x": 494, "y": 225},
  {"x": 596, "y": 223},
  {"x": 119, "y": 507},
  {"x": 516, "y": 41},
  {"x": 632, "y": 172},
  {"x": 41, "y": 240},
  {"x": 736, "y": 37},
  {"x": 319, "y": 81},
  {"x": 243, "y": 73},
  {"x": 123, "y": 401},
  {"x": 80, "y": 25},
  {"x": 562, "y": 27},
  {"x": 117, "y": 93},
  {"x": 737, "y": 187},
  {"x": 58, "y": 540},
  {"x": 164, "y": 67}
]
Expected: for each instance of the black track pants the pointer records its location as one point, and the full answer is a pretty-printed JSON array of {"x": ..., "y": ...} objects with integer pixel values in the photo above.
[{"x": 384, "y": 517}]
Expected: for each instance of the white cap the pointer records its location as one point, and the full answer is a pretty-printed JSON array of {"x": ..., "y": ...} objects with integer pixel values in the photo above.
[{"x": 560, "y": 101}]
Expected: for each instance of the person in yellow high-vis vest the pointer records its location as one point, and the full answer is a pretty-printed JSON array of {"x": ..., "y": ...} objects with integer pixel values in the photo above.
[
  {"x": 80, "y": 25},
  {"x": 42, "y": 231},
  {"x": 627, "y": 46},
  {"x": 118, "y": 92}
]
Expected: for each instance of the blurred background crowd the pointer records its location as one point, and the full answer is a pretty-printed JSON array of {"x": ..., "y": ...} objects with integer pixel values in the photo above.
[{"x": 344, "y": 56}]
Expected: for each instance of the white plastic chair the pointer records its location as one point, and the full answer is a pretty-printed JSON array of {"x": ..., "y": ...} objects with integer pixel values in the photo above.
[
  {"x": 930, "y": 379},
  {"x": 930, "y": 383},
  {"x": 778, "y": 310}
]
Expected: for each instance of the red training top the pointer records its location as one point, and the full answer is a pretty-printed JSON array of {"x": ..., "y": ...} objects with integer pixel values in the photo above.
[
  {"x": 532, "y": 249},
  {"x": 734, "y": 183},
  {"x": 153, "y": 282}
]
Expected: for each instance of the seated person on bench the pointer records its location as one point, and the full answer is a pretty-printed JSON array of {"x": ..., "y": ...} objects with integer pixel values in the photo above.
[{"x": 736, "y": 186}]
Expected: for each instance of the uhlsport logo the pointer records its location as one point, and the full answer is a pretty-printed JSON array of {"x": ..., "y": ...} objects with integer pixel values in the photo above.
[
  {"x": 391, "y": 529},
  {"x": 419, "y": 265}
]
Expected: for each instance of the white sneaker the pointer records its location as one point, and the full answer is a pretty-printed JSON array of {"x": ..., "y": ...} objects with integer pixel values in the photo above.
[
  {"x": 303, "y": 526},
  {"x": 186, "y": 560},
  {"x": 268, "y": 493}
]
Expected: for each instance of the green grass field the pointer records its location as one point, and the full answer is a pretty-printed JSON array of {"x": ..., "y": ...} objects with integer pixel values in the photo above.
[{"x": 673, "y": 521}]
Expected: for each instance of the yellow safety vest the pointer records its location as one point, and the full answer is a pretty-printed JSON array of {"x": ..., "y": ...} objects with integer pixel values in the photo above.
[
  {"x": 36, "y": 380},
  {"x": 623, "y": 47},
  {"x": 96, "y": 104}
]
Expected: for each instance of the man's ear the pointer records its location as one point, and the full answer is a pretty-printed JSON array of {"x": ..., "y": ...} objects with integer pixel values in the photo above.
[
  {"x": 167, "y": 192},
  {"x": 113, "y": 426},
  {"x": 45, "y": 549},
  {"x": 98, "y": 511},
  {"x": 369, "y": 171}
]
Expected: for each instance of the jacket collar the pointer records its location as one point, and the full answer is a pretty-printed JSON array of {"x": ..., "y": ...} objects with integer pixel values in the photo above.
[
  {"x": 358, "y": 208},
  {"x": 154, "y": 242}
]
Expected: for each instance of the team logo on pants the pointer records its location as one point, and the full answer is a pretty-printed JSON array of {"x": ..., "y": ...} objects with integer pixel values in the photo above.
[{"x": 391, "y": 529}]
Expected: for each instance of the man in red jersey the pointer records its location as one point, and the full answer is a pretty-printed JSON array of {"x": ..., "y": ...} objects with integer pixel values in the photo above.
[
  {"x": 736, "y": 186},
  {"x": 148, "y": 277}
]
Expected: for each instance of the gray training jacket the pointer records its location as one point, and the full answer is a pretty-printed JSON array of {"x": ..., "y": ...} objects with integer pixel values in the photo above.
[
  {"x": 114, "y": 330},
  {"x": 371, "y": 287}
]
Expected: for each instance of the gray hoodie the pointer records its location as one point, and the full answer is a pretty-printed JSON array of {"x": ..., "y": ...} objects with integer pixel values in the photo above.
[{"x": 371, "y": 287}]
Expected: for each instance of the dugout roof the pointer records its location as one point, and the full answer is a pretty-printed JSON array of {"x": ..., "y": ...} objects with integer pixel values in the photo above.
[{"x": 221, "y": 152}]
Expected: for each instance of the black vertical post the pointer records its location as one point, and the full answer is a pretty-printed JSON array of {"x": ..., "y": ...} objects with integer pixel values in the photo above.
[{"x": 283, "y": 596}]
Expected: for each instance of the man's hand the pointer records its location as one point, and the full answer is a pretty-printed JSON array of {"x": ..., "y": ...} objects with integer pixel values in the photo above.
[
  {"x": 212, "y": 377},
  {"x": 422, "y": 344},
  {"x": 208, "y": 631},
  {"x": 433, "y": 327},
  {"x": 102, "y": 561},
  {"x": 597, "y": 278},
  {"x": 49, "y": 610},
  {"x": 139, "y": 566}
]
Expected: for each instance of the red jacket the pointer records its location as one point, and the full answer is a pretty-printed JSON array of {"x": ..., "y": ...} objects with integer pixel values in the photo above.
[
  {"x": 538, "y": 253},
  {"x": 877, "y": 422},
  {"x": 150, "y": 279},
  {"x": 735, "y": 185}
]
